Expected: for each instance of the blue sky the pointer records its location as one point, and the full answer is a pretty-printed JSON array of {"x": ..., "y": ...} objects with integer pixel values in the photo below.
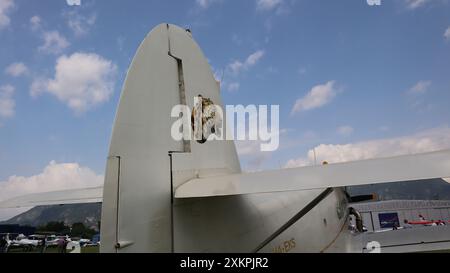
[{"x": 381, "y": 74}]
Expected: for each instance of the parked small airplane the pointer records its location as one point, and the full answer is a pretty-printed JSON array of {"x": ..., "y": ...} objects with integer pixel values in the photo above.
[{"x": 163, "y": 195}]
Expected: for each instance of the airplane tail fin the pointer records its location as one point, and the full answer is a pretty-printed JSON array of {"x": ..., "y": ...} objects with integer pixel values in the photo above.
[{"x": 146, "y": 163}]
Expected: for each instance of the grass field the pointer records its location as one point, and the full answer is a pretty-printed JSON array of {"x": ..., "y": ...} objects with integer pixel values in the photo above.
[{"x": 90, "y": 249}]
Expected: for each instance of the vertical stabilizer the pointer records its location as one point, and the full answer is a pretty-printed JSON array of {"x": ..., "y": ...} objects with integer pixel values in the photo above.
[{"x": 169, "y": 69}]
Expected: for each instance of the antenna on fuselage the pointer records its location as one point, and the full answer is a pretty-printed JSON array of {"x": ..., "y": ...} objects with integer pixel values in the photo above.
[{"x": 315, "y": 157}]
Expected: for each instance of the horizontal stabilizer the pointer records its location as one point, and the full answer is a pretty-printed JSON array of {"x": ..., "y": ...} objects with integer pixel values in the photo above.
[
  {"x": 372, "y": 171},
  {"x": 86, "y": 195}
]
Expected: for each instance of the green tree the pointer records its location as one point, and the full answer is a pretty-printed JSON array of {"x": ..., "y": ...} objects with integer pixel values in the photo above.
[
  {"x": 80, "y": 230},
  {"x": 55, "y": 227}
]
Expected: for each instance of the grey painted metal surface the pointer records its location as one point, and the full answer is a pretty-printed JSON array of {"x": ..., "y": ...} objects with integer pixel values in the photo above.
[
  {"x": 373, "y": 171},
  {"x": 137, "y": 209},
  {"x": 138, "y": 203},
  {"x": 87, "y": 195}
]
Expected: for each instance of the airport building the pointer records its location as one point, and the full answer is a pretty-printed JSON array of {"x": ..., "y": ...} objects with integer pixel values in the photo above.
[{"x": 382, "y": 215}]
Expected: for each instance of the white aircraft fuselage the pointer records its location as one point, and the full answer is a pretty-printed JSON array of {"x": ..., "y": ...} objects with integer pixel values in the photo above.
[{"x": 146, "y": 166}]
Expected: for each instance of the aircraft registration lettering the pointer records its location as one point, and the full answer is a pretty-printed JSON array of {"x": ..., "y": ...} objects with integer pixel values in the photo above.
[{"x": 285, "y": 247}]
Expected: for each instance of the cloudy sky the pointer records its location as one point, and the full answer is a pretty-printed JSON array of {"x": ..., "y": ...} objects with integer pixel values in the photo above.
[{"x": 353, "y": 81}]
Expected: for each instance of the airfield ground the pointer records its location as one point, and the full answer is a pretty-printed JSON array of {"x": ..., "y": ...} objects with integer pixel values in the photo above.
[{"x": 84, "y": 250}]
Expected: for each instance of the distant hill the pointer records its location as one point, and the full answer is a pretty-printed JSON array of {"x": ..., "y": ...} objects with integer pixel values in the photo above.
[
  {"x": 434, "y": 189},
  {"x": 88, "y": 214}
]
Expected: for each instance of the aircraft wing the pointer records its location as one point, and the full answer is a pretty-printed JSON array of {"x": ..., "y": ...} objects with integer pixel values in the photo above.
[
  {"x": 86, "y": 195},
  {"x": 373, "y": 171}
]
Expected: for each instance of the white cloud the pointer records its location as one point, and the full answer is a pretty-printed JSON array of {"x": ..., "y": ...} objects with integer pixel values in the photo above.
[
  {"x": 416, "y": 96},
  {"x": 54, "y": 43},
  {"x": 236, "y": 39},
  {"x": 233, "y": 87},
  {"x": 38, "y": 86},
  {"x": 35, "y": 23},
  {"x": 249, "y": 151},
  {"x": 345, "y": 130},
  {"x": 447, "y": 34},
  {"x": 301, "y": 71},
  {"x": 254, "y": 58},
  {"x": 299, "y": 162},
  {"x": 426, "y": 141},
  {"x": 236, "y": 66},
  {"x": 80, "y": 24},
  {"x": 224, "y": 85},
  {"x": 267, "y": 4},
  {"x": 420, "y": 88},
  {"x": 120, "y": 42},
  {"x": 54, "y": 177},
  {"x": 202, "y": 3},
  {"x": 205, "y": 3},
  {"x": 318, "y": 96},
  {"x": 5, "y": 7},
  {"x": 413, "y": 4},
  {"x": 248, "y": 147},
  {"x": 16, "y": 69},
  {"x": 81, "y": 80},
  {"x": 73, "y": 2},
  {"x": 7, "y": 103}
]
